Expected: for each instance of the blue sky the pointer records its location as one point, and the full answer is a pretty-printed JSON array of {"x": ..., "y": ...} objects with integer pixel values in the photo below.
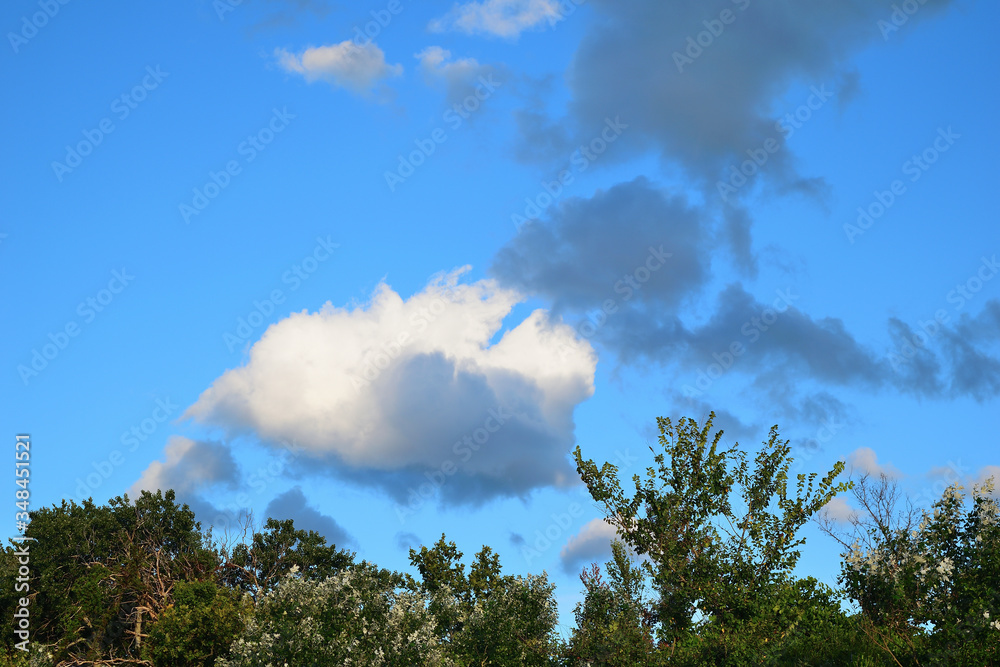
[{"x": 378, "y": 231}]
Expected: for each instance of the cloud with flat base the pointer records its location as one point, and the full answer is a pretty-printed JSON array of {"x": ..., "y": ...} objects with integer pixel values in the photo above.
[
  {"x": 404, "y": 393},
  {"x": 591, "y": 544}
]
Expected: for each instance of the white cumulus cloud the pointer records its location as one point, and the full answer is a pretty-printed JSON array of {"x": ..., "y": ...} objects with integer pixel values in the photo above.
[
  {"x": 357, "y": 67},
  {"x": 399, "y": 392},
  {"x": 839, "y": 510},
  {"x": 591, "y": 544},
  {"x": 865, "y": 460}
]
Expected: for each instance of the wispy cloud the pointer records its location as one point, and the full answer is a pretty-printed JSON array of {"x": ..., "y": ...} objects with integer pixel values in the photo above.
[
  {"x": 501, "y": 18},
  {"x": 460, "y": 76}
]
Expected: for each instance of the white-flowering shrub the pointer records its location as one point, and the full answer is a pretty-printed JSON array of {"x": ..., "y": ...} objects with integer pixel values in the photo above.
[
  {"x": 361, "y": 616},
  {"x": 944, "y": 576}
]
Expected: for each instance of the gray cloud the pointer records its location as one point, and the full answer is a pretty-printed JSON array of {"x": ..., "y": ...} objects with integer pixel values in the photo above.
[
  {"x": 777, "y": 338},
  {"x": 266, "y": 16},
  {"x": 406, "y": 541},
  {"x": 190, "y": 466},
  {"x": 704, "y": 106},
  {"x": 922, "y": 374},
  {"x": 736, "y": 235},
  {"x": 949, "y": 360},
  {"x": 822, "y": 349},
  {"x": 293, "y": 505},
  {"x": 735, "y": 429},
  {"x": 814, "y": 408},
  {"x": 975, "y": 371},
  {"x": 587, "y": 252},
  {"x": 721, "y": 104},
  {"x": 579, "y": 257},
  {"x": 542, "y": 139}
]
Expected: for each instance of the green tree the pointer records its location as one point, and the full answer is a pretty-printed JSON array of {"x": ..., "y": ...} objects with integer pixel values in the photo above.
[
  {"x": 707, "y": 559},
  {"x": 257, "y": 567},
  {"x": 443, "y": 581},
  {"x": 101, "y": 574},
  {"x": 487, "y": 618},
  {"x": 927, "y": 591},
  {"x": 613, "y": 624},
  {"x": 196, "y": 628}
]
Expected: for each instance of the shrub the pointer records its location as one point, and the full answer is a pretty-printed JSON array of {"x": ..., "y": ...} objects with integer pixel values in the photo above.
[
  {"x": 360, "y": 616},
  {"x": 931, "y": 592},
  {"x": 197, "y": 628}
]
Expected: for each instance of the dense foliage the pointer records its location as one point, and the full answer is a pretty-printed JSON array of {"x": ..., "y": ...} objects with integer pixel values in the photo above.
[{"x": 702, "y": 573}]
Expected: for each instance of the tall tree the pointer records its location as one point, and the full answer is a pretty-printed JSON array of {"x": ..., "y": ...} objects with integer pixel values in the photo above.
[{"x": 706, "y": 558}]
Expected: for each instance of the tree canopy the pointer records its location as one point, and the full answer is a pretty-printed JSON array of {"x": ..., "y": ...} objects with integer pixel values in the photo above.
[{"x": 703, "y": 571}]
